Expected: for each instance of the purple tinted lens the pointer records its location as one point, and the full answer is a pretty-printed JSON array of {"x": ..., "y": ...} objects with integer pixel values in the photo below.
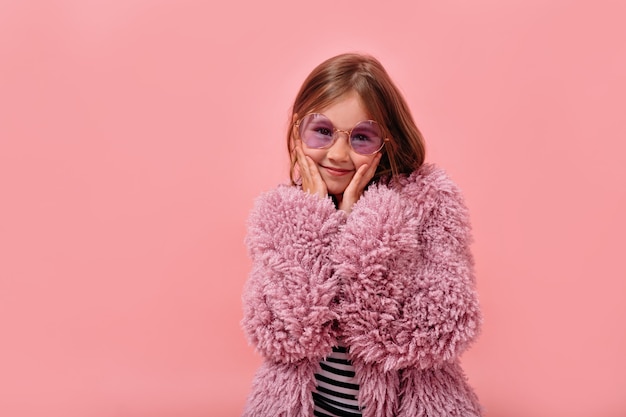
[
  {"x": 366, "y": 137},
  {"x": 316, "y": 131}
]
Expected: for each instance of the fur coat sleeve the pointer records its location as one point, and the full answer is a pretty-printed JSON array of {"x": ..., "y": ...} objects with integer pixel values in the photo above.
[
  {"x": 406, "y": 272},
  {"x": 288, "y": 314}
]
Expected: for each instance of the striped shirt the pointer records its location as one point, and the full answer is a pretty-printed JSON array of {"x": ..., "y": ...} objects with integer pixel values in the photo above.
[{"x": 337, "y": 389}]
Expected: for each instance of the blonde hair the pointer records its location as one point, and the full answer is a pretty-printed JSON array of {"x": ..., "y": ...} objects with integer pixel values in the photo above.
[{"x": 364, "y": 74}]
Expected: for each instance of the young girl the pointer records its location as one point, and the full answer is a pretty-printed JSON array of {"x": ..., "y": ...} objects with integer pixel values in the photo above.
[{"x": 361, "y": 296}]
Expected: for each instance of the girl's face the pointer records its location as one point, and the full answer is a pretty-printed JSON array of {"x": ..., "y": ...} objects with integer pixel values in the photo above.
[{"x": 338, "y": 164}]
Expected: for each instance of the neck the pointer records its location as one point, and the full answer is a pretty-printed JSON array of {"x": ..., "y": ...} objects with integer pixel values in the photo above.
[{"x": 337, "y": 198}]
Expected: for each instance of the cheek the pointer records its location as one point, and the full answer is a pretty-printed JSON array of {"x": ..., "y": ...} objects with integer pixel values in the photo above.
[
  {"x": 360, "y": 160},
  {"x": 317, "y": 155}
]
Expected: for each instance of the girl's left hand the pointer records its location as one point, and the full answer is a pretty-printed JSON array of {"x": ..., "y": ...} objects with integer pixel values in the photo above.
[{"x": 358, "y": 183}]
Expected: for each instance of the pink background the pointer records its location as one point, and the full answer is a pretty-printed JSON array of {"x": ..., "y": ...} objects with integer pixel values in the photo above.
[{"x": 135, "y": 135}]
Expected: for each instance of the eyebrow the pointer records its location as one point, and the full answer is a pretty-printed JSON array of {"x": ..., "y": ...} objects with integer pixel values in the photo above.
[{"x": 344, "y": 130}]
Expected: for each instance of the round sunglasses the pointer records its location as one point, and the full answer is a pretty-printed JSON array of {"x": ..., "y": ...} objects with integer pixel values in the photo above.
[{"x": 318, "y": 132}]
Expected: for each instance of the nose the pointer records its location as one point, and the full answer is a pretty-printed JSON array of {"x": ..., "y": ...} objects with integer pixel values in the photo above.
[{"x": 340, "y": 150}]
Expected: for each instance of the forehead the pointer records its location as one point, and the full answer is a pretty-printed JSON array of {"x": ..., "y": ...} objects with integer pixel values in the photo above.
[{"x": 346, "y": 111}]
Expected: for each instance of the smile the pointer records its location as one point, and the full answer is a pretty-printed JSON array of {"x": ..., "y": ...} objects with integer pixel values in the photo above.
[{"x": 337, "y": 171}]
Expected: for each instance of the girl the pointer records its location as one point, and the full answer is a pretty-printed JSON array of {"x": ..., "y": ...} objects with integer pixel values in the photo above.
[{"x": 361, "y": 296}]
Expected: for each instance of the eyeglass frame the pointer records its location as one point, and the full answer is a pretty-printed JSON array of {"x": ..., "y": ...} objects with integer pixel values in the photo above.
[{"x": 335, "y": 135}]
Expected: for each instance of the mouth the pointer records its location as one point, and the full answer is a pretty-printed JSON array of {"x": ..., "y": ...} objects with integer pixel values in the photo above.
[{"x": 338, "y": 172}]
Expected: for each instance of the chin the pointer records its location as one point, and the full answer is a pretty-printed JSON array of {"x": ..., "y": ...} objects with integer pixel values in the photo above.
[
  {"x": 336, "y": 186},
  {"x": 335, "y": 190}
]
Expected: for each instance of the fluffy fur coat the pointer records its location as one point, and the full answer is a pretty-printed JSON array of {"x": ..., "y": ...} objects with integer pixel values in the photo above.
[{"x": 394, "y": 280}]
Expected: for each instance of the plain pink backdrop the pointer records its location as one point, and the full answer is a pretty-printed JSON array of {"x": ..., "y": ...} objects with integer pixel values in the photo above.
[{"x": 135, "y": 135}]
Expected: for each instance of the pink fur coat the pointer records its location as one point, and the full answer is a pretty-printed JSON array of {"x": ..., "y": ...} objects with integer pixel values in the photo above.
[{"x": 394, "y": 280}]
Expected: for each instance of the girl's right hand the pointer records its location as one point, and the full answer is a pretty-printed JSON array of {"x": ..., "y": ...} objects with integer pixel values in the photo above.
[{"x": 312, "y": 181}]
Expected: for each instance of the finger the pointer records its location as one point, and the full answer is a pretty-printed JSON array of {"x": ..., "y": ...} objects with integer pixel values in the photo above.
[
  {"x": 353, "y": 191},
  {"x": 363, "y": 175},
  {"x": 305, "y": 173},
  {"x": 312, "y": 180},
  {"x": 356, "y": 187},
  {"x": 303, "y": 164},
  {"x": 366, "y": 172},
  {"x": 314, "y": 172},
  {"x": 371, "y": 170},
  {"x": 316, "y": 177}
]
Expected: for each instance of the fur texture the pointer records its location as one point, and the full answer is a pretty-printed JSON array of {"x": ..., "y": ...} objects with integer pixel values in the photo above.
[{"x": 394, "y": 279}]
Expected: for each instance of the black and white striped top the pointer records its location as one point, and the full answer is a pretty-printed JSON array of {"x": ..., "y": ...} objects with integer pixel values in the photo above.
[{"x": 337, "y": 388}]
